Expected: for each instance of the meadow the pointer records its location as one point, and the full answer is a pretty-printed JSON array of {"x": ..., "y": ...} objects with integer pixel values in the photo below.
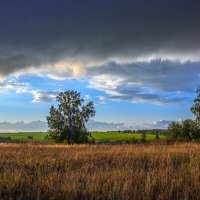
[
  {"x": 24, "y": 135},
  {"x": 131, "y": 171},
  {"x": 110, "y": 136},
  {"x": 98, "y": 136}
]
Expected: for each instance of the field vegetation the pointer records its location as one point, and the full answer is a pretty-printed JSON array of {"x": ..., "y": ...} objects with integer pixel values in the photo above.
[
  {"x": 97, "y": 136},
  {"x": 24, "y": 135},
  {"x": 100, "y": 171},
  {"x": 112, "y": 136}
]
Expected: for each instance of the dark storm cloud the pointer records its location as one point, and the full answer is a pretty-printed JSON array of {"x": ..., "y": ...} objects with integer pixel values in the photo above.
[{"x": 34, "y": 33}]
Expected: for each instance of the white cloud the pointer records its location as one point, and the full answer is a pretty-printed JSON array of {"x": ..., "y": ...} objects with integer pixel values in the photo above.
[
  {"x": 100, "y": 103},
  {"x": 106, "y": 83},
  {"x": 101, "y": 98},
  {"x": 43, "y": 96},
  {"x": 12, "y": 84},
  {"x": 157, "y": 82},
  {"x": 87, "y": 97}
]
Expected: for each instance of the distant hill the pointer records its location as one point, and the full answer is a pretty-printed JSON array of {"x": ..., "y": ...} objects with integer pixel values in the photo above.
[
  {"x": 92, "y": 125},
  {"x": 34, "y": 126},
  {"x": 37, "y": 126}
]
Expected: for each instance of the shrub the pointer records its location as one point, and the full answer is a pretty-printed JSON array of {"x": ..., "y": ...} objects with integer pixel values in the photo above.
[{"x": 29, "y": 137}]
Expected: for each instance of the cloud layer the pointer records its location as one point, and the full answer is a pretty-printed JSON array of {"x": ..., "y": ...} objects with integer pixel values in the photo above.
[
  {"x": 71, "y": 35},
  {"x": 157, "y": 81},
  {"x": 137, "y": 51}
]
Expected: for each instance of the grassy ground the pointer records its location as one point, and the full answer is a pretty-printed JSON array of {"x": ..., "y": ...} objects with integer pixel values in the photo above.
[
  {"x": 144, "y": 172},
  {"x": 98, "y": 136},
  {"x": 35, "y": 135},
  {"x": 109, "y": 136}
]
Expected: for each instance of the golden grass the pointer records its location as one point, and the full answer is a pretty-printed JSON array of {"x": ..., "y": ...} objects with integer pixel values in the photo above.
[{"x": 100, "y": 171}]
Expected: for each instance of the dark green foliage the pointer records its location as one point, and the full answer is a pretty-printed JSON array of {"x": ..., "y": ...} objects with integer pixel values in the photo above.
[
  {"x": 127, "y": 131},
  {"x": 134, "y": 140},
  {"x": 5, "y": 139},
  {"x": 187, "y": 130},
  {"x": 157, "y": 137},
  {"x": 30, "y": 137},
  {"x": 196, "y": 107},
  {"x": 91, "y": 139},
  {"x": 143, "y": 137},
  {"x": 174, "y": 130},
  {"x": 153, "y": 131},
  {"x": 67, "y": 122}
]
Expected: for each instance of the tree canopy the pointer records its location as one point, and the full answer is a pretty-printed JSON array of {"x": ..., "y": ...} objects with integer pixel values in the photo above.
[
  {"x": 196, "y": 107},
  {"x": 187, "y": 129},
  {"x": 68, "y": 121}
]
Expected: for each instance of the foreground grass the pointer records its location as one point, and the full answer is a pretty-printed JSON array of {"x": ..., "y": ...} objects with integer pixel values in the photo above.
[{"x": 99, "y": 171}]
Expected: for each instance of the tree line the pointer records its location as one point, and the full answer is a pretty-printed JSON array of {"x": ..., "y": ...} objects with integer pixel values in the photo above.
[
  {"x": 67, "y": 122},
  {"x": 144, "y": 131}
]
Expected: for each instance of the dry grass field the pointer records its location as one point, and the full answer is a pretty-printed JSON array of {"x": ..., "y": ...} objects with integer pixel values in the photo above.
[{"x": 139, "y": 171}]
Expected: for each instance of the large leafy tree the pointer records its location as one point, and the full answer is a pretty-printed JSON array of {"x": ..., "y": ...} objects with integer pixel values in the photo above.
[
  {"x": 196, "y": 107},
  {"x": 68, "y": 121}
]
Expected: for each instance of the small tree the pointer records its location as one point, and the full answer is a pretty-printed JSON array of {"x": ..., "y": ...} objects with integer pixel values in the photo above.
[
  {"x": 174, "y": 130},
  {"x": 30, "y": 137},
  {"x": 186, "y": 129},
  {"x": 157, "y": 136},
  {"x": 196, "y": 107},
  {"x": 143, "y": 137},
  {"x": 67, "y": 122},
  {"x": 194, "y": 130}
]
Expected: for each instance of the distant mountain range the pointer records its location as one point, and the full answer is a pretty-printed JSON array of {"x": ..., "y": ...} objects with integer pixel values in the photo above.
[
  {"x": 92, "y": 125},
  {"x": 34, "y": 126},
  {"x": 37, "y": 126}
]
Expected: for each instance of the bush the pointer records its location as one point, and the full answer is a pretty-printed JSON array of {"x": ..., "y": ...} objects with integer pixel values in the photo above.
[
  {"x": 134, "y": 140},
  {"x": 30, "y": 137},
  {"x": 91, "y": 140},
  {"x": 143, "y": 138}
]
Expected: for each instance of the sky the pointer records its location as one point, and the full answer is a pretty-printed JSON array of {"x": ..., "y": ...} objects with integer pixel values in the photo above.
[{"x": 137, "y": 60}]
